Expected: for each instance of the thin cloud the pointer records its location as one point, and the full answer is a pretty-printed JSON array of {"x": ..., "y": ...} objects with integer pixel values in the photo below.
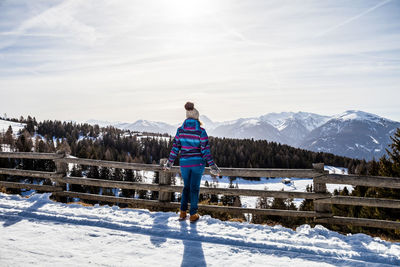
[{"x": 347, "y": 21}]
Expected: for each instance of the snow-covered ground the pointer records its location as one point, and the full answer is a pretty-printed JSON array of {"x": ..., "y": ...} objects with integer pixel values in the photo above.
[
  {"x": 38, "y": 231},
  {"x": 14, "y": 125},
  {"x": 162, "y": 138}
]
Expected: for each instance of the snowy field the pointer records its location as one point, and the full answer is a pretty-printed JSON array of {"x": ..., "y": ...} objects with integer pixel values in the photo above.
[
  {"x": 14, "y": 125},
  {"x": 38, "y": 231}
]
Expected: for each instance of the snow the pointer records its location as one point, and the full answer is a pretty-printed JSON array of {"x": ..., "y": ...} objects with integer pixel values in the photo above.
[
  {"x": 336, "y": 170},
  {"x": 5, "y": 148},
  {"x": 250, "y": 122},
  {"x": 309, "y": 120},
  {"x": 158, "y": 138},
  {"x": 374, "y": 140},
  {"x": 16, "y": 126},
  {"x": 101, "y": 123},
  {"x": 38, "y": 231},
  {"x": 359, "y": 115}
]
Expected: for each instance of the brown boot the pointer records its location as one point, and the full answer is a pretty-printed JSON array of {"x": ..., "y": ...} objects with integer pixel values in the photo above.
[
  {"x": 182, "y": 215},
  {"x": 194, "y": 217}
]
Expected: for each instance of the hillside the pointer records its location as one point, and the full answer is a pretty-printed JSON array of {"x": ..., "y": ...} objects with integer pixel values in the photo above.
[
  {"x": 355, "y": 134},
  {"x": 38, "y": 231},
  {"x": 16, "y": 126}
]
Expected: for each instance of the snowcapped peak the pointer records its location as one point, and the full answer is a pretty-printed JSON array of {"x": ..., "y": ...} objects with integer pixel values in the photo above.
[
  {"x": 143, "y": 122},
  {"x": 281, "y": 120},
  {"x": 205, "y": 119},
  {"x": 250, "y": 122},
  {"x": 103, "y": 123},
  {"x": 277, "y": 119},
  {"x": 358, "y": 115}
]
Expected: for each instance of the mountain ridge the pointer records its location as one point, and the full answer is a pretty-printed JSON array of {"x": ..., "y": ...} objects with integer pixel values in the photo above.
[{"x": 353, "y": 133}]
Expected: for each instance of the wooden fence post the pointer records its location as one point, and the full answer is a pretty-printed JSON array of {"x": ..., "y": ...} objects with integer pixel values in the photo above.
[
  {"x": 61, "y": 168},
  {"x": 321, "y": 188},
  {"x": 164, "y": 179}
]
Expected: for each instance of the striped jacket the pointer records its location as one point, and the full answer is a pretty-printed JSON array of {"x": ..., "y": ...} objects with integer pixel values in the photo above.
[{"x": 192, "y": 141}]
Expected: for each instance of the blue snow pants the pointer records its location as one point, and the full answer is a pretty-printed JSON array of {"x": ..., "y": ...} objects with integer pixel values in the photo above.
[{"x": 191, "y": 187}]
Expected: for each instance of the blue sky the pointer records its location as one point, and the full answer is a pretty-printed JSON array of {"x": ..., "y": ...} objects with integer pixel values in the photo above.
[{"x": 129, "y": 60}]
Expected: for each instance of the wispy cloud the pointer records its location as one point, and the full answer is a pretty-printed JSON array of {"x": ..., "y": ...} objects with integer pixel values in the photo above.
[{"x": 333, "y": 28}]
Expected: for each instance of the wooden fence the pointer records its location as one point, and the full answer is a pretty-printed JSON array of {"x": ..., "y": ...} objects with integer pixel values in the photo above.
[{"x": 322, "y": 199}]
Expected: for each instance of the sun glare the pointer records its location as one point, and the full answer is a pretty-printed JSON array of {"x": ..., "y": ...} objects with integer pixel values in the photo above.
[{"x": 188, "y": 9}]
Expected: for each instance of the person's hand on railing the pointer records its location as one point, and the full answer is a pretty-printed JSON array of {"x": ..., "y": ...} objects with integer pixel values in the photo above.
[
  {"x": 214, "y": 170},
  {"x": 167, "y": 166}
]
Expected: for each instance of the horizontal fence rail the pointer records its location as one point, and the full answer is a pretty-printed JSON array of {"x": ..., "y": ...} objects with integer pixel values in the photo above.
[
  {"x": 321, "y": 198},
  {"x": 45, "y": 188},
  {"x": 30, "y": 155},
  {"x": 235, "y": 172},
  {"x": 361, "y": 201},
  {"x": 29, "y": 173},
  {"x": 363, "y": 180},
  {"x": 360, "y": 222}
]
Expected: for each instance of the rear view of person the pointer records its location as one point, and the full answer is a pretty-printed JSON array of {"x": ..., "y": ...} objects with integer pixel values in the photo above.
[{"x": 191, "y": 141}]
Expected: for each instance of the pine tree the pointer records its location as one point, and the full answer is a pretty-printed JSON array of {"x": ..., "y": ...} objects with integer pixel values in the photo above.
[
  {"x": 9, "y": 139},
  {"x": 24, "y": 142},
  {"x": 394, "y": 153},
  {"x": 30, "y": 125}
]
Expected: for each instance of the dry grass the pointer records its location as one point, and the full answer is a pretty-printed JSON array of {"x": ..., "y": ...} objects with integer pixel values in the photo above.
[{"x": 81, "y": 203}]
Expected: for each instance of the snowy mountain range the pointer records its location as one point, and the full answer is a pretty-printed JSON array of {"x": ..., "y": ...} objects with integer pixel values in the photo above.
[{"x": 355, "y": 134}]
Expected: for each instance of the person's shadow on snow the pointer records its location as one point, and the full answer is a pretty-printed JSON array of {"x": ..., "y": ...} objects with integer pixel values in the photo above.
[
  {"x": 193, "y": 254},
  {"x": 158, "y": 226},
  {"x": 17, "y": 217}
]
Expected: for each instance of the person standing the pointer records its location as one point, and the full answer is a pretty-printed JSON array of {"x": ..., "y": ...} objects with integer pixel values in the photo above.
[{"x": 191, "y": 141}]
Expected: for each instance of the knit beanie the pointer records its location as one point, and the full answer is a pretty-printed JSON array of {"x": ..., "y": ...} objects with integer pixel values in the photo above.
[{"x": 191, "y": 112}]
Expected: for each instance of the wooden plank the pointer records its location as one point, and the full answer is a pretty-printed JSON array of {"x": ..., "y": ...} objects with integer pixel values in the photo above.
[
  {"x": 262, "y": 193},
  {"x": 61, "y": 168},
  {"x": 361, "y": 201},
  {"x": 110, "y": 183},
  {"x": 360, "y": 222},
  {"x": 374, "y": 181},
  {"x": 253, "y": 172},
  {"x": 111, "y": 164},
  {"x": 47, "y": 188},
  {"x": 269, "y": 212},
  {"x": 154, "y": 203},
  {"x": 203, "y": 190},
  {"x": 29, "y": 155},
  {"x": 111, "y": 199},
  {"x": 29, "y": 173},
  {"x": 235, "y": 172},
  {"x": 164, "y": 179},
  {"x": 320, "y": 188}
]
